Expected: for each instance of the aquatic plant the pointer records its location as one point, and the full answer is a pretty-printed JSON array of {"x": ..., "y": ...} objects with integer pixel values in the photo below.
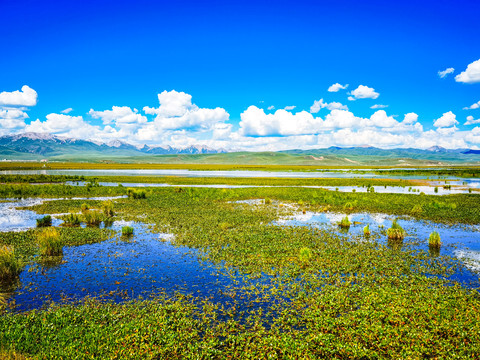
[
  {"x": 44, "y": 221},
  {"x": 107, "y": 208},
  {"x": 434, "y": 240},
  {"x": 267, "y": 201},
  {"x": 127, "y": 230},
  {"x": 345, "y": 222},
  {"x": 396, "y": 232},
  {"x": 435, "y": 189},
  {"x": 84, "y": 208},
  {"x": 366, "y": 230},
  {"x": 136, "y": 193},
  {"x": 49, "y": 242},
  {"x": 305, "y": 254},
  {"x": 417, "y": 209},
  {"x": 71, "y": 219},
  {"x": 10, "y": 265},
  {"x": 93, "y": 217}
]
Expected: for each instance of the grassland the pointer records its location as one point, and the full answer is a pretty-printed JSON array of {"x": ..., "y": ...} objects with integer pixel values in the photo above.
[{"x": 328, "y": 296}]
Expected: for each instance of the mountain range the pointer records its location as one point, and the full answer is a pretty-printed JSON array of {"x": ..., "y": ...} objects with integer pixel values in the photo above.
[{"x": 36, "y": 146}]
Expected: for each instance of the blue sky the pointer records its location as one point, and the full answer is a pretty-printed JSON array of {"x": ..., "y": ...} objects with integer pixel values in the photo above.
[{"x": 221, "y": 64}]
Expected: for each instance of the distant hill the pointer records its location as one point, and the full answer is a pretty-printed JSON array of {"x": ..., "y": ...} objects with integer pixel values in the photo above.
[
  {"x": 35, "y": 146},
  {"x": 40, "y": 145}
]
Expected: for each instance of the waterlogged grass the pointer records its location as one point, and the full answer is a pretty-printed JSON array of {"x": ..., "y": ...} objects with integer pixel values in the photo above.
[
  {"x": 10, "y": 265},
  {"x": 127, "y": 230},
  {"x": 49, "y": 242},
  {"x": 44, "y": 221},
  {"x": 434, "y": 240},
  {"x": 328, "y": 296}
]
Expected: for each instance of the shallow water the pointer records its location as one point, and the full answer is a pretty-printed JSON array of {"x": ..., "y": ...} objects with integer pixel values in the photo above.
[
  {"x": 235, "y": 174},
  {"x": 428, "y": 190},
  {"x": 12, "y": 219},
  {"x": 461, "y": 241},
  {"x": 120, "y": 268}
]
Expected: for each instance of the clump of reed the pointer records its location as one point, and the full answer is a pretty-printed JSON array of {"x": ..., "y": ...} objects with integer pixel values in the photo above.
[
  {"x": 107, "y": 209},
  {"x": 127, "y": 231},
  {"x": 84, "y": 208},
  {"x": 10, "y": 266},
  {"x": 136, "y": 193},
  {"x": 44, "y": 221},
  {"x": 71, "y": 219},
  {"x": 93, "y": 217},
  {"x": 366, "y": 231},
  {"x": 345, "y": 223},
  {"x": 49, "y": 242},
  {"x": 267, "y": 201},
  {"x": 434, "y": 240},
  {"x": 396, "y": 232}
]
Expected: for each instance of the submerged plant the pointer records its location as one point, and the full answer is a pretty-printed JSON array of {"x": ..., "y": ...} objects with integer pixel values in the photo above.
[
  {"x": 345, "y": 222},
  {"x": 71, "y": 219},
  {"x": 10, "y": 266},
  {"x": 396, "y": 232},
  {"x": 44, "y": 221},
  {"x": 127, "y": 231},
  {"x": 93, "y": 217},
  {"x": 49, "y": 242},
  {"x": 366, "y": 230},
  {"x": 434, "y": 240}
]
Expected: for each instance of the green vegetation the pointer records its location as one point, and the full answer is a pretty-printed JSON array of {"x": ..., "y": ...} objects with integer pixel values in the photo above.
[
  {"x": 136, "y": 193},
  {"x": 107, "y": 209},
  {"x": 127, "y": 230},
  {"x": 93, "y": 217},
  {"x": 395, "y": 232},
  {"x": 49, "y": 242},
  {"x": 327, "y": 296},
  {"x": 71, "y": 219},
  {"x": 10, "y": 265},
  {"x": 345, "y": 222},
  {"x": 434, "y": 240},
  {"x": 44, "y": 221},
  {"x": 366, "y": 231}
]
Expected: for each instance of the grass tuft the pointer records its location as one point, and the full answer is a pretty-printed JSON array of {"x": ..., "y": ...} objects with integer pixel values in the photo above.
[
  {"x": 434, "y": 240},
  {"x": 49, "y": 242},
  {"x": 345, "y": 222},
  {"x": 93, "y": 217},
  {"x": 10, "y": 266},
  {"x": 44, "y": 221},
  {"x": 396, "y": 232},
  {"x": 107, "y": 208},
  {"x": 71, "y": 219},
  {"x": 366, "y": 231},
  {"x": 136, "y": 193},
  {"x": 127, "y": 231}
]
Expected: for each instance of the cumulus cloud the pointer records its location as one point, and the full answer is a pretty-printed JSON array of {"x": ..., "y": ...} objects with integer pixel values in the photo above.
[
  {"x": 290, "y": 108},
  {"x": 444, "y": 73},
  {"x": 363, "y": 92},
  {"x": 336, "y": 87},
  {"x": 471, "y": 74},
  {"x": 177, "y": 111},
  {"x": 12, "y": 119},
  {"x": 446, "y": 120},
  {"x": 66, "y": 111},
  {"x": 471, "y": 120},
  {"x": 410, "y": 118},
  {"x": 378, "y": 106},
  {"x": 26, "y": 97},
  {"x": 473, "y": 106},
  {"x": 66, "y": 125},
  {"x": 271, "y": 107},
  {"x": 118, "y": 115},
  {"x": 320, "y": 104}
]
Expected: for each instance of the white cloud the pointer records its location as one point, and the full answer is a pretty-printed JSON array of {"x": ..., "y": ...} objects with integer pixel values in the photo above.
[
  {"x": 471, "y": 74},
  {"x": 118, "y": 115},
  {"x": 254, "y": 122},
  {"x": 410, "y": 118},
  {"x": 320, "y": 104},
  {"x": 446, "y": 120},
  {"x": 65, "y": 125},
  {"x": 378, "y": 106},
  {"x": 176, "y": 112},
  {"x": 11, "y": 119},
  {"x": 363, "y": 92},
  {"x": 66, "y": 111},
  {"x": 473, "y": 106},
  {"x": 26, "y": 97},
  {"x": 271, "y": 107},
  {"x": 471, "y": 120},
  {"x": 336, "y": 87},
  {"x": 445, "y": 72},
  {"x": 290, "y": 107}
]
